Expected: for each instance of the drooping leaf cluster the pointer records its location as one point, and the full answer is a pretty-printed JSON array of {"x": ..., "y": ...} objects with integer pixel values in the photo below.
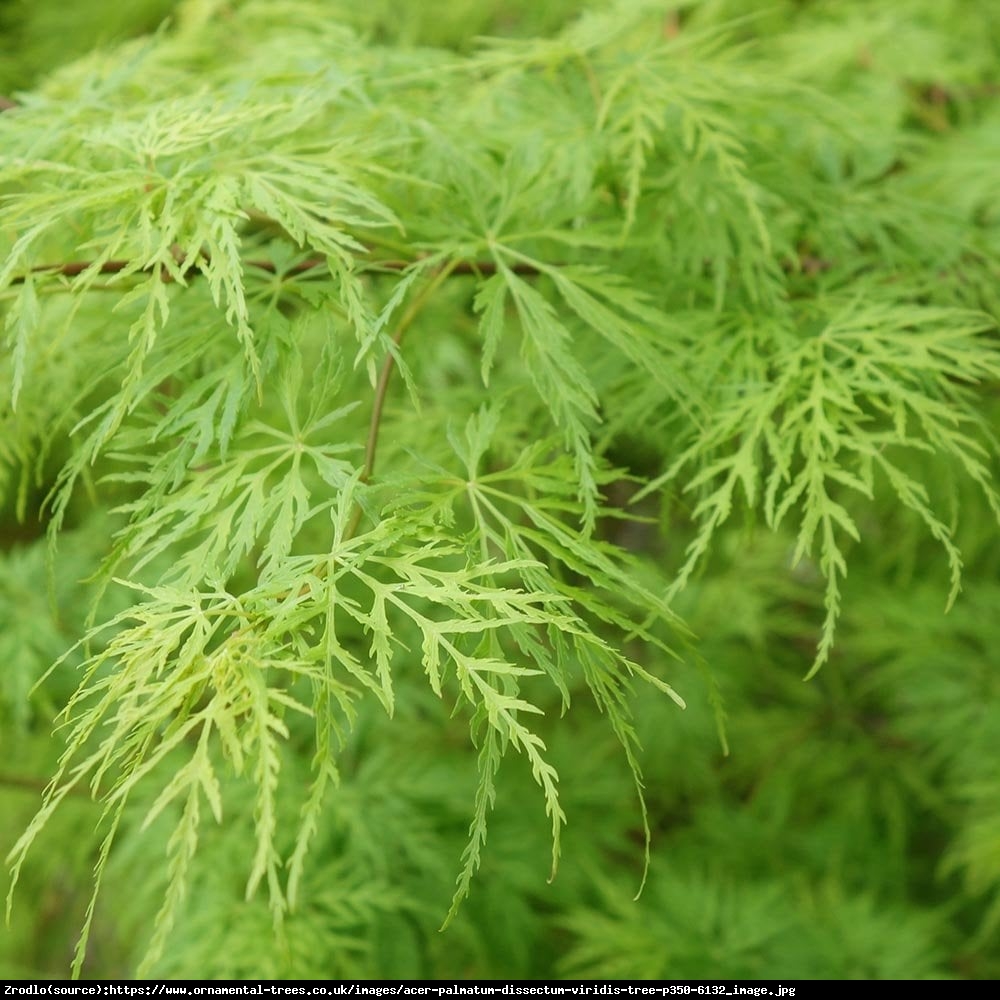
[{"x": 414, "y": 402}]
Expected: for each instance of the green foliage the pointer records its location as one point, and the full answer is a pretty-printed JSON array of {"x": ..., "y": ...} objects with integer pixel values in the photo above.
[{"x": 420, "y": 420}]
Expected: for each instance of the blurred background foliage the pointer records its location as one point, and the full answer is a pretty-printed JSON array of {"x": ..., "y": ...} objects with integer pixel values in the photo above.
[{"x": 853, "y": 829}]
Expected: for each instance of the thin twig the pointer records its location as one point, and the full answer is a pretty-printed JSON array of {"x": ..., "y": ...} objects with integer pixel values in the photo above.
[
  {"x": 385, "y": 377},
  {"x": 15, "y": 782},
  {"x": 72, "y": 269},
  {"x": 808, "y": 264}
]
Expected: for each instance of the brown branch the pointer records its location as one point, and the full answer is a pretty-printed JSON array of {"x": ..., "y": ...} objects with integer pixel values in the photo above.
[
  {"x": 72, "y": 269},
  {"x": 381, "y": 389},
  {"x": 807, "y": 264},
  {"x": 15, "y": 782},
  {"x": 385, "y": 377}
]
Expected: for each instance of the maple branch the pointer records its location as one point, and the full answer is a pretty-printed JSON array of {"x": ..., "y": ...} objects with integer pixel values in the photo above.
[
  {"x": 390, "y": 362},
  {"x": 72, "y": 269},
  {"x": 385, "y": 377},
  {"x": 16, "y": 782},
  {"x": 809, "y": 264}
]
